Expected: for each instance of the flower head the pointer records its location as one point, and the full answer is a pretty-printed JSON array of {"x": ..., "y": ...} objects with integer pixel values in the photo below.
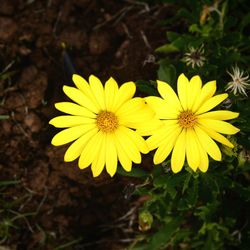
[
  {"x": 189, "y": 127},
  {"x": 101, "y": 123},
  {"x": 195, "y": 57},
  {"x": 239, "y": 82}
]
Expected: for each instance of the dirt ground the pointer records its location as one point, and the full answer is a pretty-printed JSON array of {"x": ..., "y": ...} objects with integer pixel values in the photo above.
[{"x": 57, "y": 203}]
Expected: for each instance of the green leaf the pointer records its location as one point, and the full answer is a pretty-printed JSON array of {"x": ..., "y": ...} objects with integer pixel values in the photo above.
[
  {"x": 166, "y": 72},
  {"x": 135, "y": 172},
  {"x": 190, "y": 198},
  {"x": 167, "y": 49},
  {"x": 172, "y": 36},
  {"x": 194, "y": 28},
  {"x": 146, "y": 87},
  {"x": 163, "y": 236},
  {"x": 186, "y": 182},
  {"x": 182, "y": 41},
  {"x": 245, "y": 21},
  {"x": 167, "y": 183},
  {"x": 161, "y": 181}
]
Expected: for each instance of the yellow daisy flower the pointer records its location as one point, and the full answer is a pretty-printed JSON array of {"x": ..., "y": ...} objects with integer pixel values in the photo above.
[
  {"x": 101, "y": 123},
  {"x": 188, "y": 129}
]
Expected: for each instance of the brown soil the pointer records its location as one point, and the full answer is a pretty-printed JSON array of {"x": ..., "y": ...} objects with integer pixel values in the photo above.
[{"x": 105, "y": 38}]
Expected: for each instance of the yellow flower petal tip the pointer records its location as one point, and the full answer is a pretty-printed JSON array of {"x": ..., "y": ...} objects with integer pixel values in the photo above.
[
  {"x": 236, "y": 114},
  {"x": 67, "y": 158},
  {"x": 101, "y": 124},
  {"x": 182, "y": 77},
  {"x": 175, "y": 170},
  {"x": 51, "y": 121},
  {"x": 160, "y": 83},
  {"x": 157, "y": 161},
  {"x": 189, "y": 128},
  {"x": 66, "y": 88},
  {"x": 236, "y": 130},
  {"x": 92, "y": 78},
  {"x": 76, "y": 77},
  {"x": 55, "y": 142}
]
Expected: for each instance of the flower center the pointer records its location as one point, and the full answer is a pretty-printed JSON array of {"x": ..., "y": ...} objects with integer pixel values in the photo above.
[
  {"x": 238, "y": 81},
  {"x": 187, "y": 119},
  {"x": 107, "y": 121}
]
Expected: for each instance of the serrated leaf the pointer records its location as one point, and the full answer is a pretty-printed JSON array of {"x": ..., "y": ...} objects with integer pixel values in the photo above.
[
  {"x": 161, "y": 181},
  {"x": 191, "y": 196},
  {"x": 186, "y": 182},
  {"x": 163, "y": 236}
]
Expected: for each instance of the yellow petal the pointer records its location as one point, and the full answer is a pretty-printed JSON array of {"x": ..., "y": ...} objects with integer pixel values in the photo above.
[
  {"x": 122, "y": 156},
  {"x": 75, "y": 149},
  {"x": 159, "y": 136},
  {"x": 168, "y": 94},
  {"x": 147, "y": 128},
  {"x": 136, "y": 138},
  {"x": 83, "y": 86},
  {"x": 216, "y": 136},
  {"x": 77, "y": 96},
  {"x": 110, "y": 91},
  {"x": 98, "y": 91},
  {"x": 206, "y": 93},
  {"x": 70, "y": 134},
  {"x": 80, "y": 83},
  {"x": 166, "y": 146},
  {"x": 211, "y": 103},
  {"x": 162, "y": 108},
  {"x": 134, "y": 122},
  {"x": 182, "y": 85},
  {"x": 65, "y": 121},
  {"x": 178, "y": 155},
  {"x": 193, "y": 91},
  {"x": 131, "y": 106},
  {"x": 125, "y": 92},
  {"x": 74, "y": 109},
  {"x": 219, "y": 115},
  {"x": 219, "y": 126},
  {"x": 90, "y": 151},
  {"x": 128, "y": 146},
  {"x": 203, "y": 166},
  {"x": 134, "y": 113},
  {"x": 208, "y": 144},
  {"x": 98, "y": 163},
  {"x": 111, "y": 155},
  {"x": 192, "y": 150}
]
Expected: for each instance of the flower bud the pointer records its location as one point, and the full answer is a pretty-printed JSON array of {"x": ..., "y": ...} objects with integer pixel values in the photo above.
[{"x": 145, "y": 221}]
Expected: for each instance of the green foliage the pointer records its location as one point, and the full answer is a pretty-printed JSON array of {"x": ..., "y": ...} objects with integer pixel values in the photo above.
[
  {"x": 197, "y": 210},
  {"x": 219, "y": 28},
  {"x": 210, "y": 210}
]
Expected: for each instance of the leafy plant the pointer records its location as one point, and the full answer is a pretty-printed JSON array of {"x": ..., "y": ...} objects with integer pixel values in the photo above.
[{"x": 203, "y": 210}]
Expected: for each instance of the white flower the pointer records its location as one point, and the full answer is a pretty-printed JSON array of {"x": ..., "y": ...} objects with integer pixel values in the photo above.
[
  {"x": 194, "y": 57},
  {"x": 240, "y": 81}
]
